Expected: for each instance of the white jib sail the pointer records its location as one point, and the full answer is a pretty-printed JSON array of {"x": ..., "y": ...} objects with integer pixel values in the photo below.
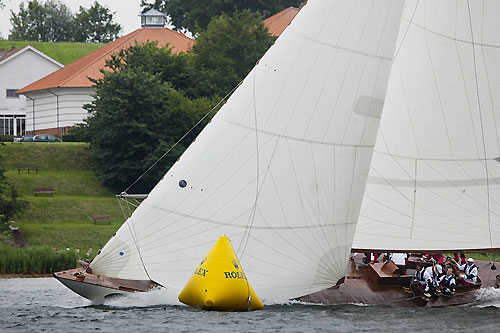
[
  {"x": 434, "y": 179},
  {"x": 281, "y": 168}
]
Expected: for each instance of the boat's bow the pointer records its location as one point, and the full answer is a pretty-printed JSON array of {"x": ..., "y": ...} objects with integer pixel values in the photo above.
[{"x": 96, "y": 288}]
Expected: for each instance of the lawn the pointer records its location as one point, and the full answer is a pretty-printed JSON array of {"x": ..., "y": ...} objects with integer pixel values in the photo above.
[
  {"x": 63, "y": 52},
  {"x": 64, "y": 219}
]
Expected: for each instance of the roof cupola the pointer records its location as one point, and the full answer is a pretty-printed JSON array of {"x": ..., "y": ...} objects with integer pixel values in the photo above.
[{"x": 153, "y": 19}]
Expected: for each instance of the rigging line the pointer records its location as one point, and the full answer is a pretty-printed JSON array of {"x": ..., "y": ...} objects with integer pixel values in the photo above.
[
  {"x": 488, "y": 78},
  {"x": 134, "y": 237},
  {"x": 217, "y": 189},
  {"x": 301, "y": 200},
  {"x": 251, "y": 217},
  {"x": 316, "y": 183},
  {"x": 133, "y": 234},
  {"x": 406, "y": 32},
  {"x": 414, "y": 200},
  {"x": 257, "y": 180},
  {"x": 182, "y": 138},
  {"x": 481, "y": 121}
]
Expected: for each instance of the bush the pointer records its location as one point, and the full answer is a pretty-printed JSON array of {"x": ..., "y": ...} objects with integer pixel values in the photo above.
[
  {"x": 6, "y": 138},
  {"x": 35, "y": 260},
  {"x": 77, "y": 133},
  {"x": 72, "y": 138}
]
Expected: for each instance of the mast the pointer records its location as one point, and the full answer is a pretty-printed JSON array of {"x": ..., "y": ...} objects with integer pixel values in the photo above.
[
  {"x": 434, "y": 180},
  {"x": 282, "y": 167}
]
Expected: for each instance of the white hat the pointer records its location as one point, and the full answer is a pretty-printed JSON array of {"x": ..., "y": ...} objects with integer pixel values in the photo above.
[
  {"x": 439, "y": 269},
  {"x": 470, "y": 260}
]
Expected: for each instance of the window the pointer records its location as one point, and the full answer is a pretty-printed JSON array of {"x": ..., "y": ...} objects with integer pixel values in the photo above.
[
  {"x": 12, "y": 125},
  {"x": 21, "y": 126},
  {"x": 7, "y": 126},
  {"x": 11, "y": 93}
]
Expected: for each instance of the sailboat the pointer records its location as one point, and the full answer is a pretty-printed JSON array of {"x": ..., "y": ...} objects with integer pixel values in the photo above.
[
  {"x": 433, "y": 185},
  {"x": 283, "y": 166}
]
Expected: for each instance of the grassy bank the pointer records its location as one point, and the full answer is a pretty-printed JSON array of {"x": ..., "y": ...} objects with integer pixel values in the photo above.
[
  {"x": 63, "y": 52},
  {"x": 36, "y": 260},
  {"x": 64, "y": 219}
]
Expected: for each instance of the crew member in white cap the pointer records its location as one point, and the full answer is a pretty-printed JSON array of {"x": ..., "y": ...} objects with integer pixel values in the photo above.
[{"x": 470, "y": 271}]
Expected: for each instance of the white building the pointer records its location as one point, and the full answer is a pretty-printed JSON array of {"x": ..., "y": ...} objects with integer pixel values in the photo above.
[
  {"x": 55, "y": 102},
  {"x": 19, "y": 67}
]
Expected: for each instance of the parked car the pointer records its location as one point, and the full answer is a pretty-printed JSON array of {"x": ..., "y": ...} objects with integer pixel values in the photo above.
[
  {"x": 27, "y": 138},
  {"x": 16, "y": 139},
  {"x": 46, "y": 138}
]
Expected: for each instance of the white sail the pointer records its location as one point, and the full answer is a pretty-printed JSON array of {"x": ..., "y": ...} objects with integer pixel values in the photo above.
[
  {"x": 281, "y": 168},
  {"x": 434, "y": 179}
]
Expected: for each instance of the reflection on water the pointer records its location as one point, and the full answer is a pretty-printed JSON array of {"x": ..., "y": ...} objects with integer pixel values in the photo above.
[{"x": 45, "y": 304}]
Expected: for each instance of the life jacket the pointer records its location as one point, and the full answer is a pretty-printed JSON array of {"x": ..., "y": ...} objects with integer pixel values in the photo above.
[
  {"x": 468, "y": 269},
  {"x": 419, "y": 275},
  {"x": 447, "y": 279}
]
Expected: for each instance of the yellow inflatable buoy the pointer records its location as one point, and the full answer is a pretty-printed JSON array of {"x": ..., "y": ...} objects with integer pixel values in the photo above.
[{"x": 219, "y": 282}]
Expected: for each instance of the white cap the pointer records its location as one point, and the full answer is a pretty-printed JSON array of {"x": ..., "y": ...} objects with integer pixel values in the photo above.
[
  {"x": 439, "y": 269},
  {"x": 470, "y": 260}
]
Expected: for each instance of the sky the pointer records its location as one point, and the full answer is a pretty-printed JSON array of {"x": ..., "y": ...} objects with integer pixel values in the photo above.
[{"x": 126, "y": 12}]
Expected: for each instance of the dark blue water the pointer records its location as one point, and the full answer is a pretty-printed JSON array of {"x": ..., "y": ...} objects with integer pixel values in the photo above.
[{"x": 34, "y": 305}]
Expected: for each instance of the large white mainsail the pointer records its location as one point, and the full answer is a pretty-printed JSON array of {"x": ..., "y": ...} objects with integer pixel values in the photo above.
[
  {"x": 434, "y": 179},
  {"x": 281, "y": 168}
]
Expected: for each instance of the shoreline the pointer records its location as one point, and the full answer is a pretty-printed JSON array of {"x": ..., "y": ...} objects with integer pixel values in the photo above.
[{"x": 12, "y": 276}]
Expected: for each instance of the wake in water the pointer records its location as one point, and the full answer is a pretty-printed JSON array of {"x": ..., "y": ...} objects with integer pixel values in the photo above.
[
  {"x": 488, "y": 297},
  {"x": 156, "y": 297}
]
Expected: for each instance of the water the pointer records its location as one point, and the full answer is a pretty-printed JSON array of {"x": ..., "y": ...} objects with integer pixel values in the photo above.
[{"x": 28, "y": 305}]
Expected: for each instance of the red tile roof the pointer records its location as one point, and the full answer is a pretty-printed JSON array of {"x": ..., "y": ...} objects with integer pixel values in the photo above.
[
  {"x": 77, "y": 73},
  {"x": 279, "y": 21},
  {"x": 4, "y": 54}
]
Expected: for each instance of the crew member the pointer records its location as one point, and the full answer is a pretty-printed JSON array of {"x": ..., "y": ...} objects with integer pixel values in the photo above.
[
  {"x": 419, "y": 278},
  {"x": 447, "y": 282},
  {"x": 470, "y": 271},
  {"x": 399, "y": 259},
  {"x": 438, "y": 257},
  {"x": 461, "y": 259},
  {"x": 432, "y": 274}
]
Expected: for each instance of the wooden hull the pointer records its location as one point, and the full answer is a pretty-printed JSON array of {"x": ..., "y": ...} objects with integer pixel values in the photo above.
[
  {"x": 369, "y": 284},
  {"x": 97, "y": 288}
]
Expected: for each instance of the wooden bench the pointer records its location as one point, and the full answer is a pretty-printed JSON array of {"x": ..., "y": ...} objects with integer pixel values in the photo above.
[
  {"x": 101, "y": 218},
  {"x": 43, "y": 190},
  {"x": 28, "y": 167}
]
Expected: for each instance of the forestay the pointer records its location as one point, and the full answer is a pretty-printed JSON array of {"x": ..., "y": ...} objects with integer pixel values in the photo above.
[
  {"x": 281, "y": 168},
  {"x": 434, "y": 179}
]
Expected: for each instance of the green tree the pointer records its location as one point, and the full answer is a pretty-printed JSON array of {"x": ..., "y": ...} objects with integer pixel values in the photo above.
[
  {"x": 50, "y": 22},
  {"x": 10, "y": 203},
  {"x": 228, "y": 49},
  {"x": 95, "y": 25},
  {"x": 196, "y": 14},
  {"x": 136, "y": 116},
  {"x": 173, "y": 68}
]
